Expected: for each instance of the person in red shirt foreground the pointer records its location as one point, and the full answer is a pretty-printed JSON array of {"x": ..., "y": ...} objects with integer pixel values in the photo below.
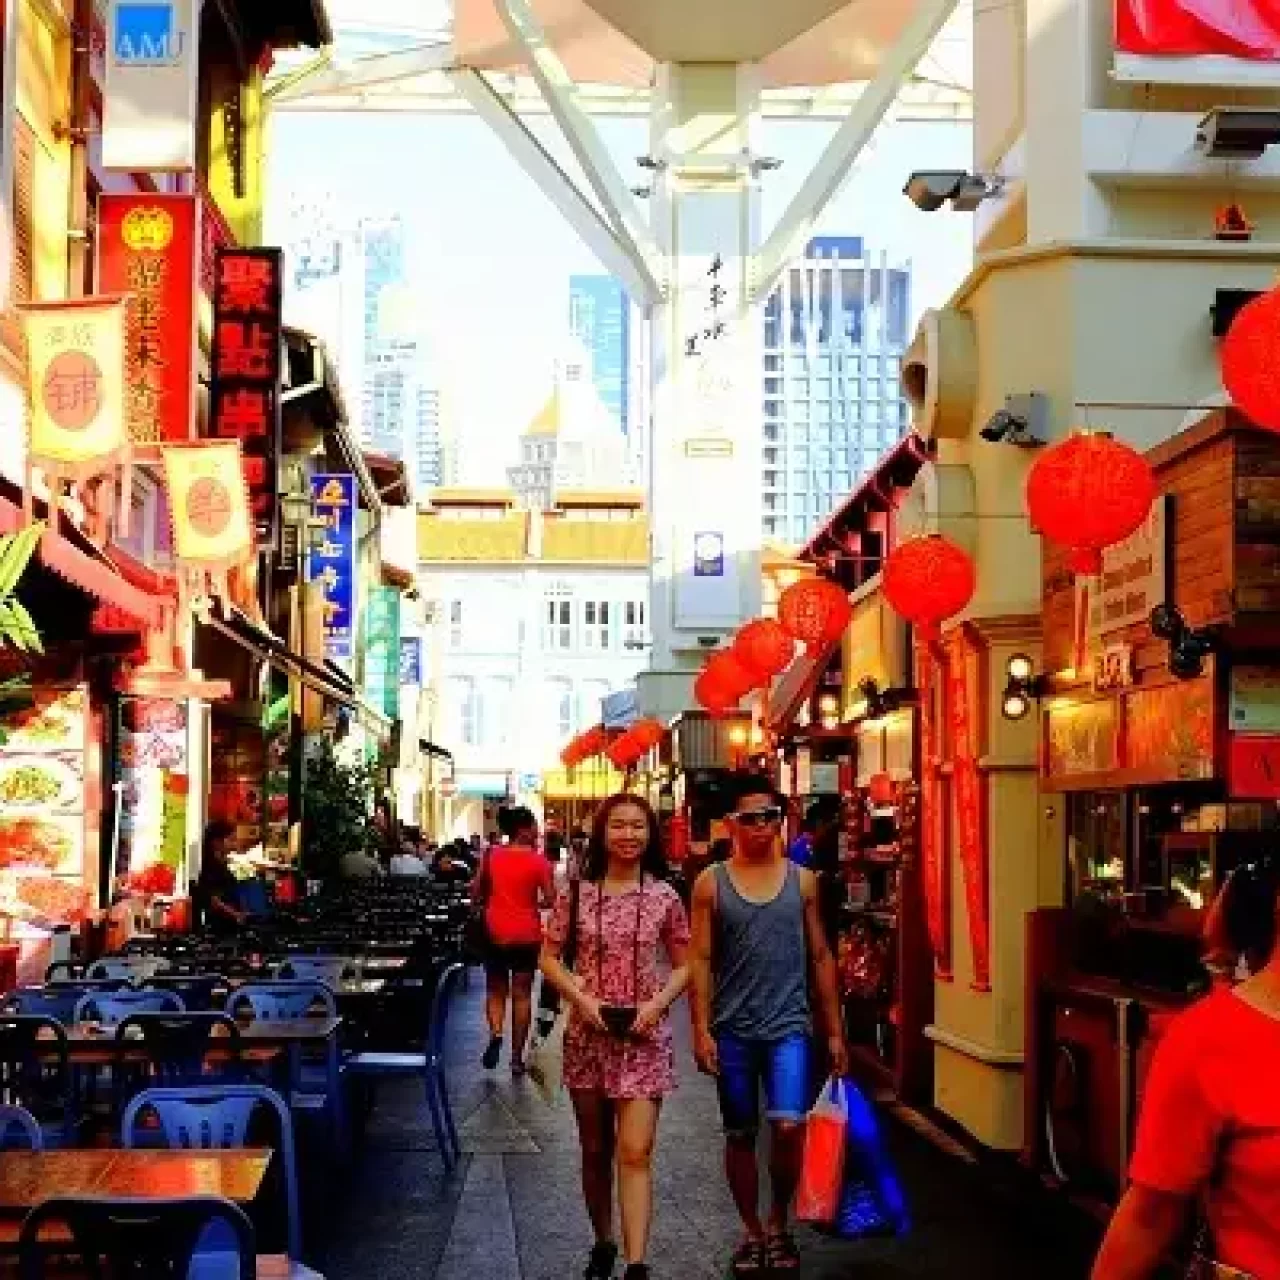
[
  {"x": 514, "y": 884},
  {"x": 1209, "y": 1133}
]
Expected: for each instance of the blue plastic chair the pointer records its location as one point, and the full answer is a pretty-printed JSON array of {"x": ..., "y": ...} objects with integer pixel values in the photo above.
[
  {"x": 128, "y": 968},
  {"x": 176, "y": 1046},
  {"x": 35, "y": 1074},
  {"x": 282, "y": 1001},
  {"x": 216, "y": 1118},
  {"x": 26, "y": 1125},
  {"x": 325, "y": 968},
  {"x": 113, "y": 1008},
  {"x": 45, "y": 1002},
  {"x": 198, "y": 990},
  {"x": 136, "y": 1236},
  {"x": 429, "y": 1064}
]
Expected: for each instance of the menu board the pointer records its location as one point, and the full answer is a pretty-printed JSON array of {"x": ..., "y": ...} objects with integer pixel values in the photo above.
[
  {"x": 151, "y": 762},
  {"x": 42, "y": 805}
]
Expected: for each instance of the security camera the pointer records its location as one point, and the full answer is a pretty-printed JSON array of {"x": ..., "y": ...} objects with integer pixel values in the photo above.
[
  {"x": 930, "y": 189},
  {"x": 999, "y": 426}
]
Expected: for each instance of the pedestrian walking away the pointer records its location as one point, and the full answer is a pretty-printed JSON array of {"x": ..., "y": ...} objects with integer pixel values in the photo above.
[
  {"x": 619, "y": 1062},
  {"x": 757, "y": 935},
  {"x": 512, "y": 886}
]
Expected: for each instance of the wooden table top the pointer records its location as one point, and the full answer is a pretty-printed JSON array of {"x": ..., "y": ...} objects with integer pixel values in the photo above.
[{"x": 29, "y": 1177}]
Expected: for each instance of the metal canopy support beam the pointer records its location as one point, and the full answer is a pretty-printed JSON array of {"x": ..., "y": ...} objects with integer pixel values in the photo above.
[
  {"x": 557, "y": 87},
  {"x": 617, "y": 255},
  {"x": 835, "y": 166},
  {"x": 374, "y": 72}
]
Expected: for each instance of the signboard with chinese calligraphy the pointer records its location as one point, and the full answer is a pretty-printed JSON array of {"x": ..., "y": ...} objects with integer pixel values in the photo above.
[
  {"x": 382, "y": 650},
  {"x": 147, "y": 250},
  {"x": 333, "y": 562},
  {"x": 245, "y": 391},
  {"x": 149, "y": 96},
  {"x": 410, "y": 660},
  {"x": 152, "y": 754}
]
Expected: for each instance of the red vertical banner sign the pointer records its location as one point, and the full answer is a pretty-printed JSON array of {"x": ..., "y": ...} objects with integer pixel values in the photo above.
[
  {"x": 933, "y": 861},
  {"x": 965, "y": 707},
  {"x": 245, "y": 395},
  {"x": 147, "y": 252}
]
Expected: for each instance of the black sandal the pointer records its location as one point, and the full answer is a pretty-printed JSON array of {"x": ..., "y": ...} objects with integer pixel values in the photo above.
[
  {"x": 780, "y": 1252},
  {"x": 604, "y": 1257},
  {"x": 748, "y": 1258}
]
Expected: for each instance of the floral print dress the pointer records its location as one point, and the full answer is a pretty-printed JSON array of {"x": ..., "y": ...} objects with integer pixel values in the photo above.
[{"x": 619, "y": 939}]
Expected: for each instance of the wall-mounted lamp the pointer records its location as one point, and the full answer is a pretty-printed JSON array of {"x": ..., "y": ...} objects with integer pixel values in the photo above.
[
  {"x": 1188, "y": 647},
  {"x": 829, "y": 711},
  {"x": 1022, "y": 687}
]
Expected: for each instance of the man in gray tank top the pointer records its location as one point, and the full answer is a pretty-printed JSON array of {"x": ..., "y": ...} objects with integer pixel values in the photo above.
[{"x": 756, "y": 933}]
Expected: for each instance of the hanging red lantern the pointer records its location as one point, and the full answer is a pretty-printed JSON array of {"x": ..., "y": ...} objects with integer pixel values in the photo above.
[
  {"x": 624, "y": 750},
  {"x": 731, "y": 676},
  {"x": 1088, "y": 492},
  {"x": 814, "y": 611},
  {"x": 1250, "y": 360},
  {"x": 712, "y": 696},
  {"x": 572, "y": 754},
  {"x": 880, "y": 790},
  {"x": 648, "y": 733},
  {"x": 764, "y": 648},
  {"x": 592, "y": 742},
  {"x": 928, "y": 580}
]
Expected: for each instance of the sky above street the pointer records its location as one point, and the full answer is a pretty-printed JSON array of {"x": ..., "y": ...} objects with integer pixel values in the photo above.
[{"x": 492, "y": 256}]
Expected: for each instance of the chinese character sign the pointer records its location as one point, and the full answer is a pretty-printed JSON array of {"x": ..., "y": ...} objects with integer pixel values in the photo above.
[
  {"x": 245, "y": 395},
  {"x": 382, "y": 650},
  {"x": 333, "y": 562},
  {"x": 209, "y": 505},
  {"x": 147, "y": 250},
  {"x": 411, "y": 660}
]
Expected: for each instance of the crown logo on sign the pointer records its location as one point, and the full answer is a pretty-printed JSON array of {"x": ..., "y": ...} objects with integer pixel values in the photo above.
[
  {"x": 333, "y": 494},
  {"x": 148, "y": 230}
]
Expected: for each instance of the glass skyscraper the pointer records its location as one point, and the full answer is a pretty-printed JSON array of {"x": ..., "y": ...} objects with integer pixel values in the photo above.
[
  {"x": 835, "y": 330},
  {"x": 600, "y": 318}
]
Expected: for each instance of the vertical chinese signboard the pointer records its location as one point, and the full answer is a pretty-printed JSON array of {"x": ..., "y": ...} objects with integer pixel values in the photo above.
[
  {"x": 147, "y": 251},
  {"x": 382, "y": 650},
  {"x": 333, "y": 562},
  {"x": 152, "y": 763},
  {"x": 245, "y": 395}
]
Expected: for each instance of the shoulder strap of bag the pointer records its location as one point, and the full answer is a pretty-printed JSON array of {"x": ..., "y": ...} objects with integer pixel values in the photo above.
[
  {"x": 485, "y": 885},
  {"x": 569, "y": 953}
]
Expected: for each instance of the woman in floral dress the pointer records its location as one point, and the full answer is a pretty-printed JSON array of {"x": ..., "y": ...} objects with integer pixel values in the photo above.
[{"x": 618, "y": 1058}]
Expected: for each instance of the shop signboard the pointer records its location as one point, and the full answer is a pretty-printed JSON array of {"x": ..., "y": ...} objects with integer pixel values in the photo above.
[
  {"x": 1169, "y": 732},
  {"x": 1082, "y": 739},
  {"x": 382, "y": 650},
  {"x": 147, "y": 252},
  {"x": 43, "y": 805},
  {"x": 151, "y": 80},
  {"x": 410, "y": 661},
  {"x": 244, "y": 395},
  {"x": 333, "y": 562},
  {"x": 1132, "y": 583},
  {"x": 152, "y": 761},
  {"x": 1253, "y": 766},
  {"x": 1255, "y": 699}
]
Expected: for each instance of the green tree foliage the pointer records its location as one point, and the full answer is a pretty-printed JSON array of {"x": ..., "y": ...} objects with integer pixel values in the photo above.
[
  {"x": 336, "y": 802},
  {"x": 17, "y": 629}
]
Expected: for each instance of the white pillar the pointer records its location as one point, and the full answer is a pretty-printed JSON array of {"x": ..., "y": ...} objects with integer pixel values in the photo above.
[{"x": 705, "y": 447}]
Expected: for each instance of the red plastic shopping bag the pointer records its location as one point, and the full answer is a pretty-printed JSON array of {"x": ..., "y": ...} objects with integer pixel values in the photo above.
[{"x": 822, "y": 1169}]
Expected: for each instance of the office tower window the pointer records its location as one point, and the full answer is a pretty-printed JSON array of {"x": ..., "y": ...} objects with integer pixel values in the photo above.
[{"x": 635, "y": 634}]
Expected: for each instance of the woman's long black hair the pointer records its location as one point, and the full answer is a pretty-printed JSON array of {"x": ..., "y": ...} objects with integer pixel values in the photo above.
[
  {"x": 1249, "y": 908},
  {"x": 596, "y": 861}
]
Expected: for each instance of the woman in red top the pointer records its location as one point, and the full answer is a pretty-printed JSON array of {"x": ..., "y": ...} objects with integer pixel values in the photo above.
[
  {"x": 515, "y": 884},
  {"x": 1210, "y": 1127}
]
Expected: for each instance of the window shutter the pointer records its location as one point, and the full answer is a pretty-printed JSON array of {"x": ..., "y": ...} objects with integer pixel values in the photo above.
[{"x": 22, "y": 285}]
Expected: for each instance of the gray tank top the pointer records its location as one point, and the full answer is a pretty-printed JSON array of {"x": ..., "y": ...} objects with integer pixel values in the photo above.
[{"x": 761, "y": 962}]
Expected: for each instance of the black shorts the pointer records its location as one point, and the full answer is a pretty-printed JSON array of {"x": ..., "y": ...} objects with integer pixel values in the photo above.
[{"x": 520, "y": 959}]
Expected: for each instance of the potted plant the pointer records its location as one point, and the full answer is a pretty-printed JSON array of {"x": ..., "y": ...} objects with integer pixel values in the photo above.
[{"x": 336, "y": 802}]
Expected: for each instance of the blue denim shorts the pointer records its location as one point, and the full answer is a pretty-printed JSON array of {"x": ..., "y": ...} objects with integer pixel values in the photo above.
[{"x": 780, "y": 1066}]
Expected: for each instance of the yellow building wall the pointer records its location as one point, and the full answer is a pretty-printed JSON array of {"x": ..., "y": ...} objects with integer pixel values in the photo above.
[
  {"x": 243, "y": 211},
  {"x": 43, "y": 99}
]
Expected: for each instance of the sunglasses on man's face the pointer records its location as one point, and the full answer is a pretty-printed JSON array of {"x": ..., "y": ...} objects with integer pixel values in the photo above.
[{"x": 758, "y": 817}]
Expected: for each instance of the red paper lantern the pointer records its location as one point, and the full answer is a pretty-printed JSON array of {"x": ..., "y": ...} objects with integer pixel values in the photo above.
[
  {"x": 764, "y": 648},
  {"x": 571, "y": 755},
  {"x": 592, "y": 742},
  {"x": 648, "y": 733},
  {"x": 814, "y": 611},
  {"x": 880, "y": 790},
  {"x": 1088, "y": 492},
  {"x": 928, "y": 580},
  {"x": 1250, "y": 360},
  {"x": 712, "y": 696},
  {"x": 624, "y": 750}
]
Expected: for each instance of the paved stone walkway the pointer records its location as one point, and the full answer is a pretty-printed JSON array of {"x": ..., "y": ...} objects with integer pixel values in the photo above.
[{"x": 513, "y": 1212}]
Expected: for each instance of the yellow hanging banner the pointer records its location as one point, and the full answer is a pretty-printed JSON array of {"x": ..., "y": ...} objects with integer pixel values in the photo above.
[
  {"x": 77, "y": 428},
  {"x": 76, "y": 363},
  {"x": 209, "y": 501}
]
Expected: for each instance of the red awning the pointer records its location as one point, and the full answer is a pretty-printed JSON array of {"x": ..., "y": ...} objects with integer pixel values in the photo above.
[
  {"x": 797, "y": 684},
  {"x": 73, "y": 557}
]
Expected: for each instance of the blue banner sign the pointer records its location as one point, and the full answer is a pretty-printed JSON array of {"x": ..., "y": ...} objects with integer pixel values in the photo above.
[
  {"x": 411, "y": 660},
  {"x": 333, "y": 562}
]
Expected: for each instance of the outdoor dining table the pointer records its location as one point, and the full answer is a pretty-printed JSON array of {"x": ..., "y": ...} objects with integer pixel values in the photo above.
[{"x": 28, "y": 1178}]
